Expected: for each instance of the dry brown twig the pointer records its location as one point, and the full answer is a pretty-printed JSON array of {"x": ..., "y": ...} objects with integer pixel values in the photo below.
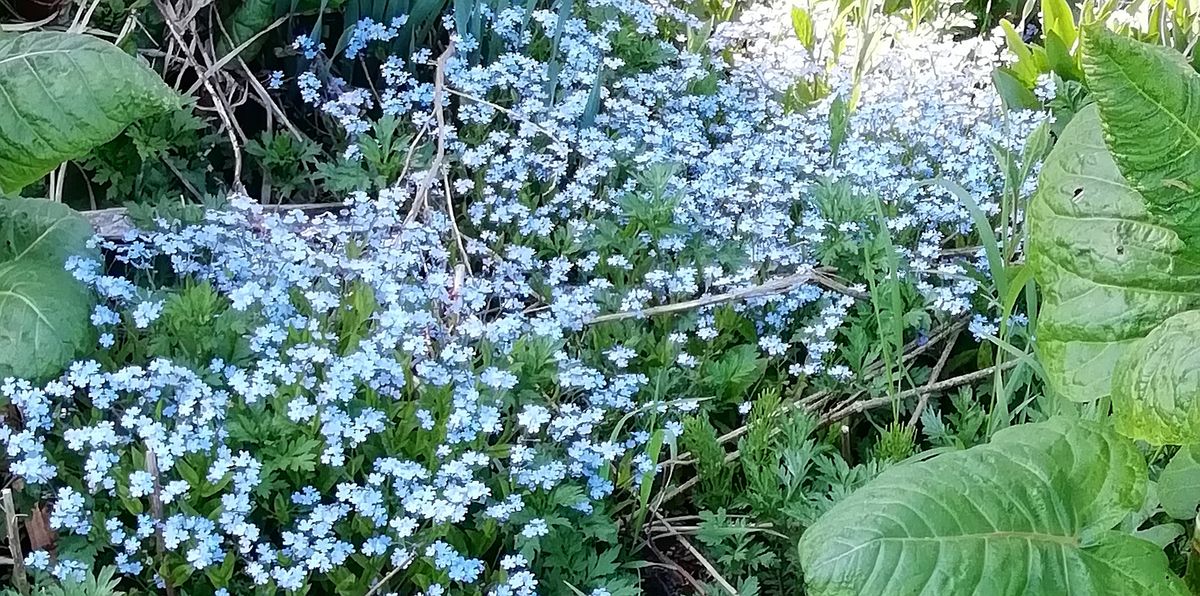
[
  {"x": 813, "y": 402},
  {"x": 176, "y": 27},
  {"x": 704, "y": 562},
  {"x": 847, "y": 408},
  {"x": 157, "y": 514},
  {"x": 420, "y": 199},
  {"x": 234, "y": 54},
  {"x": 506, "y": 112},
  {"x": 779, "y": 285},
  {"x": 13, "y": 529},
  {"x": 933, "y": 377}
]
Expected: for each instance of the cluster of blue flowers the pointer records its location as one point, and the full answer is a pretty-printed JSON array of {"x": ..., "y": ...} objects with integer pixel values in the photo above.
[
  {"x": 430, "y": 326},
  {"x": 435, "y": 362}
]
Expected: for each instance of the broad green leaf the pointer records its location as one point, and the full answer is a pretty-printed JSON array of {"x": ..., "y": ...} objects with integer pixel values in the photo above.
[
  {"x": 1179, "y": 484},
  {"x": 44, "y": 311},
  {"x": 61, "y": 94},
  {"x": 1027, "y": 514},
  {"x": 250, "y": 17},
  {"x": 1060, "y": 60},
  {"x": 1161, "y": 535},
  {"x": 1057, "y": 19},
  {"x": 1149, "y": 100},
  {"x": 1156, "y": 385},
  {"x": 1110, "y": 271},
  {"x": 1013, "y": 92}
]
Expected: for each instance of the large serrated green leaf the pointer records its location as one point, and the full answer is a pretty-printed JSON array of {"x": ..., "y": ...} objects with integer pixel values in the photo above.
[
  {"x": 1156, "y": 385},
  {"x": 1149, "y": 100},
  {"x": 44, "y": 311},
  {"x": 61, "y": 94},
  {"x": 1028, "y": 514},
  {"x": 1110, "y": 270}
]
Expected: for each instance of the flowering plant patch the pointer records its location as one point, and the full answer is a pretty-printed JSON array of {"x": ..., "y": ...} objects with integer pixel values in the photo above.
[{"x": 576, "y": 231}]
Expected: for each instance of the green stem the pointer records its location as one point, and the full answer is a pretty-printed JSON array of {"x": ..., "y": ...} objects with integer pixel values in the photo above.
[{"x": 1192, "y": 576}]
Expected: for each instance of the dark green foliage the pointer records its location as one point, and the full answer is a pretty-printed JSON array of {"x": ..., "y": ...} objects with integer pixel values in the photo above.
[
  {"x": 197, "y": 326},
  {"x": 716, "y": 477}
]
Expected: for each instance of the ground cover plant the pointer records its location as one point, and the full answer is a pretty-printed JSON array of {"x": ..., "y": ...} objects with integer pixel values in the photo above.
[{"x": 598, "y": 297}]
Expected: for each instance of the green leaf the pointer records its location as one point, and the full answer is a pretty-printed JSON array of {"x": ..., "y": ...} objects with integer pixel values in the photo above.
[
  {"x": 1060, "y": 60},
  {"x": 250, "y": 17},
  {"x": 1179, "y": 484},
  {"x": 839, "y": 125},
  {"x": 1026, "y": 68},
  {"x": 1161, "y": 535},
  {"x": 802, "y": 26},
  {"x": 1109, "y": 270},
  {"x": 44, "y": 311},
  {"x": 1027, "y": 514},
  {"x": 1149, "y": 100},
  {"x": 1156, "y": 386},
  {"x": 1058, "y": 20},
  {"x": 64, "y": 94},
  {"x": 1013, "y": 92}
]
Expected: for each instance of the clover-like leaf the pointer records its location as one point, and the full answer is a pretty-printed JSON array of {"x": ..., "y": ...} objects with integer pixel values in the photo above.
[
  {"x": 1109, "y": 269},
  {"x": 61, "y": 94},
  {"x": 44, "y": 310},
  {"x": 1028, "y": 514}
]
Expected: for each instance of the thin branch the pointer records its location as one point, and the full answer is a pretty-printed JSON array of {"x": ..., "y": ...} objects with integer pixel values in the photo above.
[
  {"x": 507, "y": 112},
  {"x": 816, "y": 400},
  {"x": 420, "y": 199},
  {"x": 268, "y": 102},
  {"x": 933, "y": 377},
  {"x": 14, "y": 542},
  {"x": 712, "y": 570},
  {"x": 179, "y": 175},
  {"x": 170, "y": 19},
  {"x": 233, "y": 54},
  {"x": 779, "y": 285},
  {"x": 385, "y": 579},
  {"x": 696, "y": 585},
  {"x": 847, "y": 408},
  {"x": 156, "y": 513}
]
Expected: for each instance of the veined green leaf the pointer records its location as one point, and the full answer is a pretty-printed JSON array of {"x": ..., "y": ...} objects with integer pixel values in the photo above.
[
  {"x": 1057, "y": 19},
  {"x": 1149, "y": 100},
  {"x": 1028, "y": 514},
  {"x": 44, "y": 311},
  {"x": 61, "y": 94},
  {"x": 1110, "y": 271},
  {"x": 802, "y": 26},
  {"x": 1156, "y": 386},
  {"x": 1179, "y": 483}
]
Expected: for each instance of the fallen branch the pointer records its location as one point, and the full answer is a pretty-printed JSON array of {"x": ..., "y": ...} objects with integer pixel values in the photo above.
[
  {"x": 779, "y": 285},
  {"x": 114, "y": 223},
  {"x": 857, "y": 407}
]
